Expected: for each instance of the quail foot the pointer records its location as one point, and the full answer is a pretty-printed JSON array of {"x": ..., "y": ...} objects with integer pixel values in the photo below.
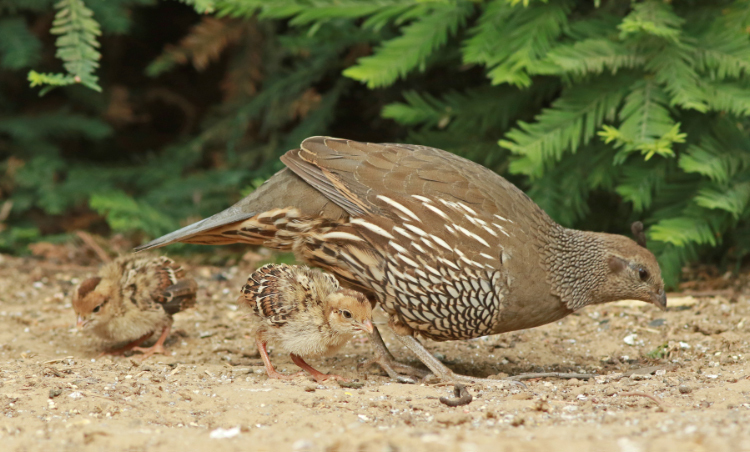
[
  {"x": 304, "y": 312},
  {"x": 450, "y": 249},
  {"x": 132, "y": 298}
]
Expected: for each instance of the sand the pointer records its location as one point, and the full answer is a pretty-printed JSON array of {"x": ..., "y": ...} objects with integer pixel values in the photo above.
[{"x": 675, "y": 380}]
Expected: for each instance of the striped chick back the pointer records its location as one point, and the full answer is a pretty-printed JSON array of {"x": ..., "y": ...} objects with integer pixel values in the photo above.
[{"x": 276, "y": 292}]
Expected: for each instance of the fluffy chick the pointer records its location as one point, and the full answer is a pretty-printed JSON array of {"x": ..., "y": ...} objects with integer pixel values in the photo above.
[
  {"x": 305, "y": 312},
  {"x": 133, "y": 297}
]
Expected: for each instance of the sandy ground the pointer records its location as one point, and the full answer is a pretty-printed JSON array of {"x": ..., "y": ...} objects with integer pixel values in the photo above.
[{"x": 675, "y": 380}]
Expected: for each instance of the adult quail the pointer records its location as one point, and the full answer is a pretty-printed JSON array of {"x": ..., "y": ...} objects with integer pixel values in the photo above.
[
  {"x": 449, "y": 249},
  {"x": 305, "y": 312},
  {"x": 132, "y": 298}
]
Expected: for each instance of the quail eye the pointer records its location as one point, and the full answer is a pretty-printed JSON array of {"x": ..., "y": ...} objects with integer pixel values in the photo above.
[
  {"x": 97, "y": 309},
  {"x": 643, "y": 274},
  {"x": 346, "y": 314}
]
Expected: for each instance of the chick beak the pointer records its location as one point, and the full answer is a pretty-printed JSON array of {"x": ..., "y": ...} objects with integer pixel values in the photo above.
[
  {"x": 80, "y": 322},
  {"x": 660, "y": 299},
  {"x": 367, "y": 326}
]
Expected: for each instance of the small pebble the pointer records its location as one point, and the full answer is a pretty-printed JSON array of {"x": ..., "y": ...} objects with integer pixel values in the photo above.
[
  {"x": 684, "y": 389},
  {"x": 517, "y": 421},
  {"x": 522, "y": 396},
  {"x": 542, "y": 405},
  {"x": 657, "y": 322},
  {"x": 351, "y": 384},
  {"x": 54, "y": 392},
  {"x": 222, "y": 433}
]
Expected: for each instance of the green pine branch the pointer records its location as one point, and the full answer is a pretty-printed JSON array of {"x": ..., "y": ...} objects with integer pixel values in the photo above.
[
  {"x": 684, "y": 231},
  {"x": 76, "y": 45},
  {"x": 673, "y": 69},
  {"x": 594, "y": 56},
  {"x": 572, "y": 121},
  {"x": 732, "y": 199},
  {"x": 722, "y": 52},
  {"x": 721, "y": 155},
  {"x": 730, "y": 97},
  {"x": 639, "y": 183},
  {"x": 397, "y": 57},
  {"x": 19, "y": 48},
  {"x": 654, "y": 18},
  {"x": 512, "y": 40},
  {"x": 646, "y": 123},
  {"x": 124, "y": 214}
]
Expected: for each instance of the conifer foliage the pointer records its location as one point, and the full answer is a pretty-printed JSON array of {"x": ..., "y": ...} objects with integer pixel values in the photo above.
[
  {"x": 76, "y": 45},
  {"x": 604, "y": 111}
]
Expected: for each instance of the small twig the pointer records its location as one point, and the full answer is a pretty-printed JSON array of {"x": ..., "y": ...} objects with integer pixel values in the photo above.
[
  {"x": 56, "y": 360},
  {"x": 236, "y": 352},
  {"x": 88, "y": 394},
  {"x": 643, "y": 394},
  {"x": 55, "y": 372},
  {"x": 648, "y": 330},
  {"x": 562, "y": 375},
  {"x": 91, "y": 243},
  {"x": 650, "y": 370},
  {"x": 177, "y": 369},
  {"x": 463, "y": 397}
]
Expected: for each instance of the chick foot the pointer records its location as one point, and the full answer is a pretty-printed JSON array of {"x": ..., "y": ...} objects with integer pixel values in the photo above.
[
  {"x": 272, "y": 373},
  {"x": 127, "y": 347},
  {"x": 158, "y": 347},
  {"x": 316, "y": 374}
]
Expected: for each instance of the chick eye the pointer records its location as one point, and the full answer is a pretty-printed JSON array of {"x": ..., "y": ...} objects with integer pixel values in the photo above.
[
  {"x": 346, "y": 314},
  {"x": 643, "y": 274},
  {"x": 97, "y": 309}
]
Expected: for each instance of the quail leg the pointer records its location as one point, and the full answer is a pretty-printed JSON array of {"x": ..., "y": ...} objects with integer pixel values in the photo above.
[
  {"x": 127, "y": 347},
  {"x": 158, "y": 347},
  {"x": 388, "y": 363},
  {"x": 440, "y": 370},
  {"x": 316, "y": 374},
  {"x": 272, "y": 373}
]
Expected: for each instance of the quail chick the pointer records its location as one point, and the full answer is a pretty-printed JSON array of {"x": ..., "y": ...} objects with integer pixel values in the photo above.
[
  {"x": 305, "y": 312},
  {"x": 132, "y": 298}
]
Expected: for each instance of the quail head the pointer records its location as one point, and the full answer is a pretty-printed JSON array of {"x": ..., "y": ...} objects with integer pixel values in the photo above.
[
  {"x": 304, "y": 312},
  {"x": 132, "y": 298}
]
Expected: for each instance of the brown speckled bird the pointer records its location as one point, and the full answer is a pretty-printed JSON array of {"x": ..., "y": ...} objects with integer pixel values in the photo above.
[
  {"x": 132, "y": 298},
  {"x": 449, "y": 249},
  {"x": 305, "y": 312}
]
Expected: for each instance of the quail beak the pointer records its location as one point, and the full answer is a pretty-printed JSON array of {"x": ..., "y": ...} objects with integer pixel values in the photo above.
[
  {"x": 80, "y": 322},
  {"x": 660, "y": 299},
  {"x": 367, "y": 326}
]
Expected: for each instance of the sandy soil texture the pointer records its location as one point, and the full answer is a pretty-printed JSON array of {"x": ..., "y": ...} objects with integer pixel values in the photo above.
[{"x": 675, "y": 380}]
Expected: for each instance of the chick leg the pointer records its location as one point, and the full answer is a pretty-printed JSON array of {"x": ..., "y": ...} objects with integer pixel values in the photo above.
[
  {"x": 158, "y": 347},
  {"x": 388, "y": 363},
  {"x": 316, "y": 374},
  {"x": 272, "y": 373},
  {"x": 126, "y": 347}
]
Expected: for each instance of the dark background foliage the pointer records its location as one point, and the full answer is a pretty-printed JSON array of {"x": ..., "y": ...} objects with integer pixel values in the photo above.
[{"x": 157, "y": 113}]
